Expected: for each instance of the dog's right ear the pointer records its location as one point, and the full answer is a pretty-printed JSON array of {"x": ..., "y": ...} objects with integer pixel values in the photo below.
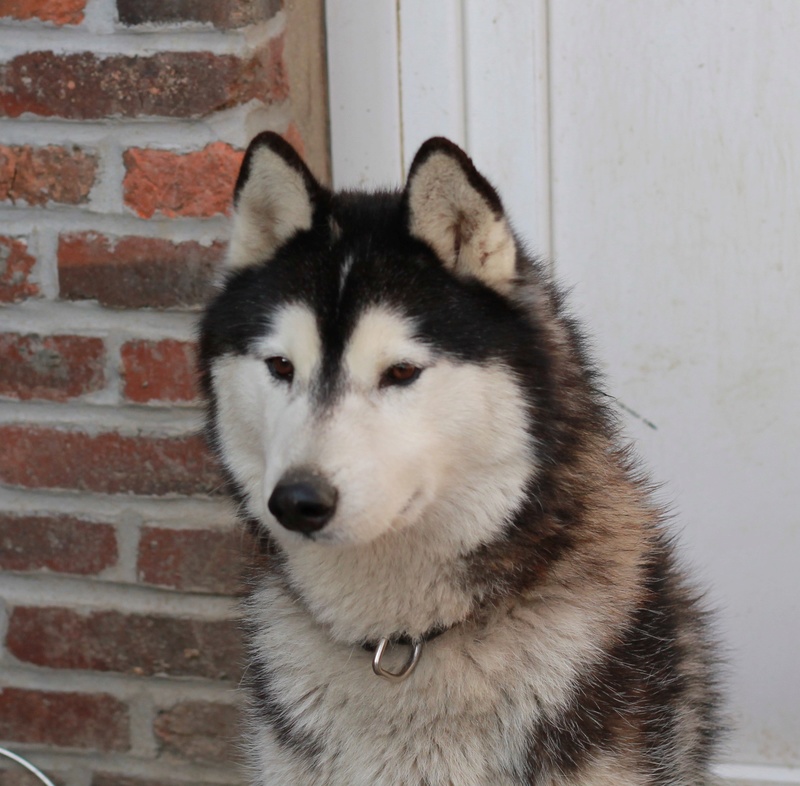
[{"x": 275, "y": 197}]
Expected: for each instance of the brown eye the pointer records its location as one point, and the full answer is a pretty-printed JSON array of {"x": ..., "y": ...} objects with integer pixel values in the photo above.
[
  {"x": 400, "y": 374},
  {"x": 281, "y": 368}
]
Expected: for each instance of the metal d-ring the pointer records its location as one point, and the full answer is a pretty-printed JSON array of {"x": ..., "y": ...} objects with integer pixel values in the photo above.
[{"x": 399, "y": 676}]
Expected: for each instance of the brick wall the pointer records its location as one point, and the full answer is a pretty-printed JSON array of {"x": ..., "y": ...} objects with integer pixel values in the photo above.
[{"x": 122, "y": 124}]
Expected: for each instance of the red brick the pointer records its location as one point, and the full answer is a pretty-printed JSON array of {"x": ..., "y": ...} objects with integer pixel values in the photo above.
[
  {"x": 173, "y": 184},
  {"x": 199, "y": 730},
  {"x": 93, "y": 721},
  {"x": 159, "y": 371},
  {"x": 190, "y": 560},
  {"x": 62, "y": 544},
  {"x": 56, "y": 368},
  {"x": 106, "y": 463},
  {"x": 136, "y": 272},
  {"x": 223, "y": 14},
  {"x": 38, "y": 175},
  {"x": 16, "y": 265},
  {"x": 86, "y": 86},
  {"x": 138, "y": 644},
  {"x": 16, "y": 776},
  {"x": 19, "y": 777},
  {"x": 112, "y": 779},
  {"x": 61, "y": 12}
]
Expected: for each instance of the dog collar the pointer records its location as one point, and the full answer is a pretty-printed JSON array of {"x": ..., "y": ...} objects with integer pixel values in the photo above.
[{"x": 416, "y": 646}]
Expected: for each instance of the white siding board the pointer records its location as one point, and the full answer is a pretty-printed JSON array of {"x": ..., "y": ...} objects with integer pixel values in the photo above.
[
  {"x": 676, "y": 145},
  {"x": 506, "y": 124},
  {"x": 654, "y": 150},
  {"x": 431, "y": 73},
  {"x": 364, "y": 92}
]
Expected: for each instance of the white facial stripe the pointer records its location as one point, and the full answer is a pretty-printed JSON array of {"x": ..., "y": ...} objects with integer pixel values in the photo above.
[
  {"x": 345, "y": 272},
  {"x": 294, "y": 335},
  {"x": 380, "y": 339},
  {"x": 262, "y": 430},
  {"x": 241, "y": 389}
]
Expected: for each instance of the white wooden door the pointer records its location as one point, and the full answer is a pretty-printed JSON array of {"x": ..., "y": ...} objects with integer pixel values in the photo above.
[{"x": 652, "y": 150}]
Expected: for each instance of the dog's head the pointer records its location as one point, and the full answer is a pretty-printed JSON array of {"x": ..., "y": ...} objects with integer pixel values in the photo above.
[{"x": 362, "y": 358}]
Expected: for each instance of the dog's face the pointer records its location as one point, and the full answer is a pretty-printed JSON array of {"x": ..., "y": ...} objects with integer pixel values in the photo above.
[{"x": 357, "y": 359}]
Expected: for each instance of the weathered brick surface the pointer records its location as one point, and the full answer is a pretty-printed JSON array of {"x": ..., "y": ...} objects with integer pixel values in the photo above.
[
  {"x": 16, "y": 266},
  {"x": 222, "y": 14},
  {"x": 198, "y": 730},
  {"x": 192, "y": 560},
  {"x": 56, "y": 368},
  {"x": 16, "y": 776},
  {"x": 159, "y": 371},
  {"x": 112, "y": 779},
  {"x": 61, "y": 12},
  {"x": 136, "y": 272},
  {"x": 137, "y": 644},
  {"x": 107, "y": 463},
  {"x": 173, "y": 184},
  {"x": 62, "y": 544},
  {"x": 74, "y": 720},
  {"x": 142, "y": 115},
  {"x": 38, "y": 175},
  {"x": 85, "y": 86}
]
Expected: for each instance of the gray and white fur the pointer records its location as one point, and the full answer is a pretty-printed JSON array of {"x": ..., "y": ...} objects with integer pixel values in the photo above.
[{"x": 407, "y": 417}]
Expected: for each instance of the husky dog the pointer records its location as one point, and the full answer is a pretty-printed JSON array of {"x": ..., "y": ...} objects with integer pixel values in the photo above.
[{"x": 468, "y": 582}]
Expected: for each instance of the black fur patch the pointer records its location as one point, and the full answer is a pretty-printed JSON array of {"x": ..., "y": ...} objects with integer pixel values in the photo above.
[
  {"x": 629, "y": 704},
  {"x": 268, "y": 709}
]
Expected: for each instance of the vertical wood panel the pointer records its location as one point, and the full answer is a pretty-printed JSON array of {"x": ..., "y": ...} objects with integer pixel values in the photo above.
[
  {"x": 432, "y": 80},
  {"x": 473, "y": 71},
  {"x": 505, "y": 67},
  {"x": 364, "y": 92},
  {"x": 676, "y": 139},
  {"x": 654, "y": 148}
]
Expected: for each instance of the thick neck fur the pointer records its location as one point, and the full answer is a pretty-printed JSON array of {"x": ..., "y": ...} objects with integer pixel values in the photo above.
[
  {"x": 401, "y": 583},
  {"x": 410, "y": 582},
  {"x": 405, "y": 582}
]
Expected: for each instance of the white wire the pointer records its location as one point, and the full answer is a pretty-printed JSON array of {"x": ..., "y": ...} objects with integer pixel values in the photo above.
[{"x": 27, "y": 765}]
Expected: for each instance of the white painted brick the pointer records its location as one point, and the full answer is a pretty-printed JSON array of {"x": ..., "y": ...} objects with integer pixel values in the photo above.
[
  {"x": 106, "y": 214},
  {"x": 79, "y": 593},
  {"x": 175, "y": 513}
]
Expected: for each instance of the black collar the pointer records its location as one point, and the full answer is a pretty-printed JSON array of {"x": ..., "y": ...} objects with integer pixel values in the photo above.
[{"x": 408, "y": 641}]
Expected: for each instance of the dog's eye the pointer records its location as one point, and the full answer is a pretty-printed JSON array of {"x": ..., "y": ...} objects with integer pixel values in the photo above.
[
  {"x": 400, "y": 374},
  {"x": 281, "y": 368}
]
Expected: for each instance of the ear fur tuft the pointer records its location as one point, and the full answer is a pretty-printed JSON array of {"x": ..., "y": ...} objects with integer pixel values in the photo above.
[
  {"x": 455, "y": 210},
  {"x": 274, "y": 198}
]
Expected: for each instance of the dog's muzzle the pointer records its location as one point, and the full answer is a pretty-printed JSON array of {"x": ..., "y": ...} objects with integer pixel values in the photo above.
[{"x": 303, "y": 501}]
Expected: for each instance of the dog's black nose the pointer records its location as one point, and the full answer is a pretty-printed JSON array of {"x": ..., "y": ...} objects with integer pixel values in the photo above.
[{"x": 303, "y": 501}]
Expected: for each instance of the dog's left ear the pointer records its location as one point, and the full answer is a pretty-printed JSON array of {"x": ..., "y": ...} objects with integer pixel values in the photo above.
[
  {"x": 275, "y": 197},
  {"x": 454, "y": 209}
]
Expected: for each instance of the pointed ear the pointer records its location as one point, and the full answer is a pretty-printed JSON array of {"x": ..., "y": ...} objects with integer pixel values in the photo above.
[
  {"x": 455, "y": 210},
  {"x": 275, "y": 197}
]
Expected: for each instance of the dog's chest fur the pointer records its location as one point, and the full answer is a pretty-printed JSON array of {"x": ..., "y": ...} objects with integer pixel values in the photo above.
[{"x": 467, "y": 715}]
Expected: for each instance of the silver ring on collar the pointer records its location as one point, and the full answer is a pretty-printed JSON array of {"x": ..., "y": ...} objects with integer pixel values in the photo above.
[{"x": 405, "y": 672}]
